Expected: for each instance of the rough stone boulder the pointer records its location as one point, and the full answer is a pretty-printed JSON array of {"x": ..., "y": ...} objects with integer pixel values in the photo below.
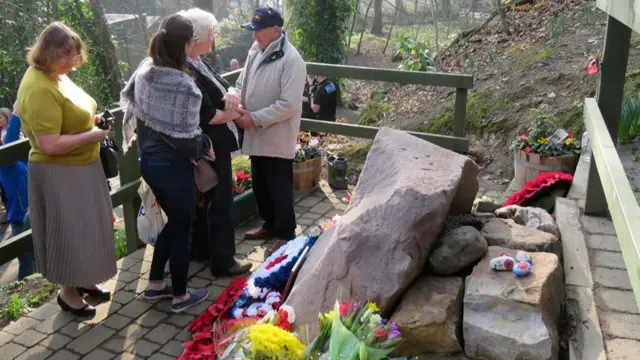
[
  {"x": 506, "y": 233},
  {"x": 381, "y": 243},
  {"x": 429, "y": 316},
  {"x": 456, "y": 250},
  {"x": 509, "y": 317},
  {"x": 533, "y": 217}
]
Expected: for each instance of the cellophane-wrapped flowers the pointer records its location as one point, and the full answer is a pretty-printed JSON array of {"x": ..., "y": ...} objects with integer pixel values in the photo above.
[
  {"x": 354, "y": 332},
  {"x": 265, "y": 338}
]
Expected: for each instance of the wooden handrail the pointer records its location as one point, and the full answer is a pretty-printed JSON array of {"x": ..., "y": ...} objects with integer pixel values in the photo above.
[
  {"x": 623, "y": 10},
  {"x": 16, "y": 245},
  {"x": 458, "y": 144},
  {"x": 460, "y": 81},
  {"x": 623, "y": 206}
]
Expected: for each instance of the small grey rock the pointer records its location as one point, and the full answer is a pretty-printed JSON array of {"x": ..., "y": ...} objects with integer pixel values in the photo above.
[{"x": 458, "y": 249}]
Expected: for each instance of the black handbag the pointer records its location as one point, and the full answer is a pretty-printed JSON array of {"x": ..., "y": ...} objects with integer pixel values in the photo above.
[{"x": 109, "y": 157}]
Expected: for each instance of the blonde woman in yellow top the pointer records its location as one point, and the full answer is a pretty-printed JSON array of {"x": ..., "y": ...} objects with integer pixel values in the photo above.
[{"x": 70, "y": 208}]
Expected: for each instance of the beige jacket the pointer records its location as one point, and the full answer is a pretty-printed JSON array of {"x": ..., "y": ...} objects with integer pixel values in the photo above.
[{"x": 273, "y": 95}]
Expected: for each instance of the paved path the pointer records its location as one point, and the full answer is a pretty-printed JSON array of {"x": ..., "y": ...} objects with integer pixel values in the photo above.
[
  {"x": 608, "y": 307},
  {"x": 617, "y": 309},
  {"x": 129, "y": 327}
]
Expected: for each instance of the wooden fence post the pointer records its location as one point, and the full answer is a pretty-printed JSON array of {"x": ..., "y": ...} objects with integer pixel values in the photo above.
[
  {"x": 460, "y": 112},
  {"x": 610, "y": 93},
  {"x": 129, "y": 171}
]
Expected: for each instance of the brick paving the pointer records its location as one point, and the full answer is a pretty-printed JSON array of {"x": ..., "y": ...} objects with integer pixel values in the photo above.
[
  {"x": 615, "y": 302},
  {"x": 129, "y": 327},
  {"x": 617, "y": 309}
]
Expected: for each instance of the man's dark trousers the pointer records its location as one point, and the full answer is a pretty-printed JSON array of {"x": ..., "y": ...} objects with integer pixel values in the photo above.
[
  {"x": 222, "y": 243},
  {"x": 272, "y": 182}
]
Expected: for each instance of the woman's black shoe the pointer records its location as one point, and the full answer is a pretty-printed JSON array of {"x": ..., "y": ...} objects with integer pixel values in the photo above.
[
  {"x": 87, "y": 310},
  {"x": 98, "y": 294}
]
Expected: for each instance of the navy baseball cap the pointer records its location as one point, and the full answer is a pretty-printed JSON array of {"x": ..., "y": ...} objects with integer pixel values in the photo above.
[{"x": 264, "y": 17}]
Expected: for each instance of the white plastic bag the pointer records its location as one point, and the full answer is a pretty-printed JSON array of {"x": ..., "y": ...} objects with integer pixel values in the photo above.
[{"x": 151, "y": 218}]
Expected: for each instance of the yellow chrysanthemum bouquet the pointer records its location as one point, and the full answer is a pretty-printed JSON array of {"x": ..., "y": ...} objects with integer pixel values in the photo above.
[{"x": 262, "y": 339}]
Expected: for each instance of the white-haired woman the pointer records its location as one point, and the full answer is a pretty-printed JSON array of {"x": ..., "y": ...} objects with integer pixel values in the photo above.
[{"x": 217, "y": 112}]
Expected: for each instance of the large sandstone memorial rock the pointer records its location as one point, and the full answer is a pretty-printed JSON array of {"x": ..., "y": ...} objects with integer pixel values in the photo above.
[
  {"x": 510, "y": 318},
  {"x": 381, "y": 243}
]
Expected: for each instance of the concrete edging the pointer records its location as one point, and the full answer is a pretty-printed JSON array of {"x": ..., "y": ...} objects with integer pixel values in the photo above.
[{"x": 585, "y": 338}]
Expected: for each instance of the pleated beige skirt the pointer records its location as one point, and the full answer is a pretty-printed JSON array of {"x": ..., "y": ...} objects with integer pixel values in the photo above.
[{"x": 71, "y": 219}]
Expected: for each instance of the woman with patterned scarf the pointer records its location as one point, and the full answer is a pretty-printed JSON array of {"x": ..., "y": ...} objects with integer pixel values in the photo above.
[{"x": 163, "y": 103}]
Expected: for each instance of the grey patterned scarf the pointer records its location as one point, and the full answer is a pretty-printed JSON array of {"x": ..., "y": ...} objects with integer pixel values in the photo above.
[{"x": 165, "y": 99}]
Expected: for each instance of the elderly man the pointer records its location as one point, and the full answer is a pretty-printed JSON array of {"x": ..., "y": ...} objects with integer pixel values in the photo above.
[{"x": 270, "y": 90}]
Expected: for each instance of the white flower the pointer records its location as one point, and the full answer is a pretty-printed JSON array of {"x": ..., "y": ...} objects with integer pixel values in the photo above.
[
  {"x": 291, "y": 315},
  {"x": 375, "y": 320}
]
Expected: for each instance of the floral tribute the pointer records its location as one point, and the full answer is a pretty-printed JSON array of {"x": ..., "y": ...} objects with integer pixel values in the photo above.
[
  {"x": 266, "y": 337},
  {"x": 543, "y": 139},
  {"x": 246, "y": 300},
  {"x": 263, "y": 292},
  {"x": 542, "y": 185},
  {"x": 354, "y": 331}
]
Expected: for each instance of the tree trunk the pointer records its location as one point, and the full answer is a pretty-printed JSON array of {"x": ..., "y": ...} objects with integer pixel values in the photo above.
[
  {"x": 376, "y": 28},
  {"x": 474, "y": 6},
  {"x": 353, "y": 24},
  {"x": 446, "y": 8},
  {"x": 108, "y": 58},
  {"x": 55, "y": 10},
  {"x": 400, "y": 7},
  {"x": 241, "y": 8},
  {"x": 434, "y": 7},
  {"x": 204, "y": 4},
  {"x": 395, "y": 16},
  {"x": 503, "y": 18},
  {"x": 364, "y": 26},
  {"x": 142, "y": 21},
  {"x": 221, "y": 8}
]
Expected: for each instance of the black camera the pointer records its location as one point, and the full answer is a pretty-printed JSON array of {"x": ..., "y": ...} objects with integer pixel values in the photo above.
[{"x": 106, "y": 120}]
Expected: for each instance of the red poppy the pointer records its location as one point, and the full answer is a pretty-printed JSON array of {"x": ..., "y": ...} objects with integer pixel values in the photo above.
[
  {"x": 522, "y": 137},
  {"x": 528, "y": 149}
]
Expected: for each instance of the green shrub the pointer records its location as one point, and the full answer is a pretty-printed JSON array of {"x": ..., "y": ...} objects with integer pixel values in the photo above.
[{"x": 629, "y": 119}]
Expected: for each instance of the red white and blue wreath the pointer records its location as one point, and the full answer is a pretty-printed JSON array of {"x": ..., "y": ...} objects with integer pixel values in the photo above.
[{"x": 263, "y": 292}]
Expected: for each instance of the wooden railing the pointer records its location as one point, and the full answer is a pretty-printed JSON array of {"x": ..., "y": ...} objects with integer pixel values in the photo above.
[
  {"x": 608, "y": 189},
  {"x": 622, "y": 203},
  {"x": 127, "y": 194}
]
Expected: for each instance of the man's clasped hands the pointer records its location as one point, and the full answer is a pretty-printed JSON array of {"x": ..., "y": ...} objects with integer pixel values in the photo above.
[{"x": 242, "y": 117}]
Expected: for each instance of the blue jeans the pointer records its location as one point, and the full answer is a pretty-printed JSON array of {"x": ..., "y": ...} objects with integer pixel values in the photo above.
[
  {"x": 172, "y": 182},
  {"x": 25, "y": 260}
]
